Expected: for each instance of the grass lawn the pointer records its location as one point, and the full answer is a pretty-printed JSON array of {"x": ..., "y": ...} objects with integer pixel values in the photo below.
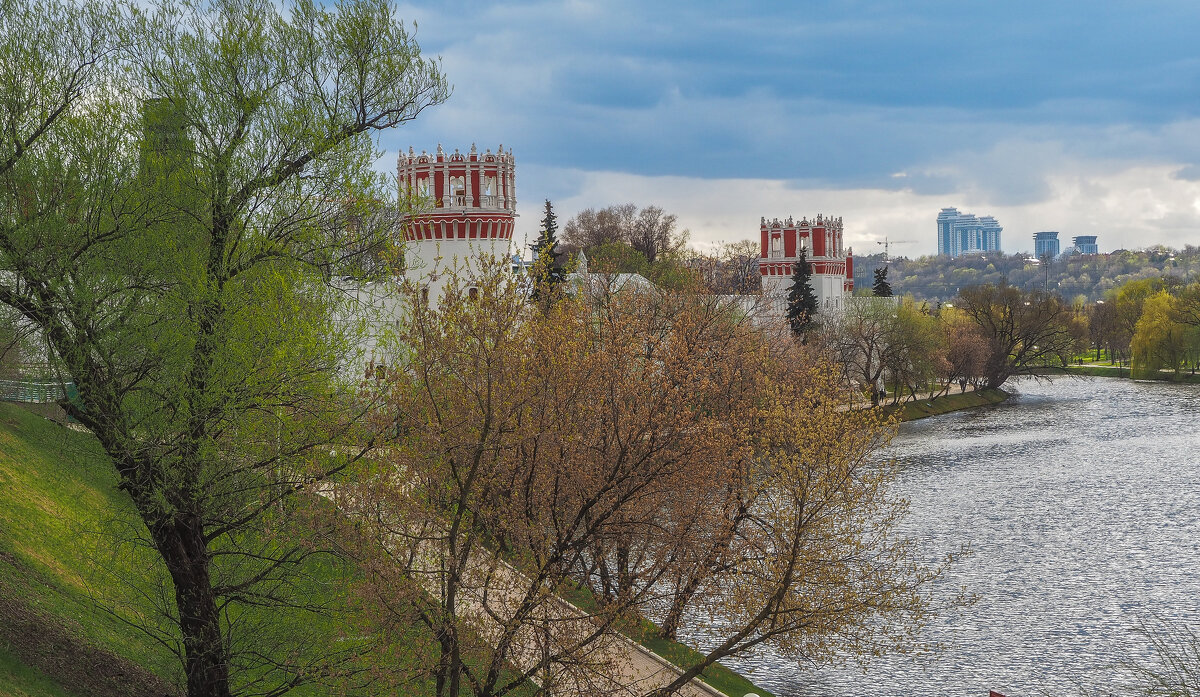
[
  {"x": 59, "y": 511},
  {"x": 1113, "y": 371},
  {"x": 645, "y": 633},
  {"x": 58, "y": 500},
  {"x": 62, "y": 604},
  {"x": 19, "y": 680}
]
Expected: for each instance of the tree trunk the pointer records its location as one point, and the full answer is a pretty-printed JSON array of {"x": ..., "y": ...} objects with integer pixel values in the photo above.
[
  {"x": 670, "y": 625},
  {"x": 180, "y": 540}
]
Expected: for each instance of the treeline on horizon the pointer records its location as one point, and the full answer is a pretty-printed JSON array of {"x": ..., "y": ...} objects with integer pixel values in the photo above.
[
  {"x": 1091, "y": 276},
  {"x": 628, "y": 239}
]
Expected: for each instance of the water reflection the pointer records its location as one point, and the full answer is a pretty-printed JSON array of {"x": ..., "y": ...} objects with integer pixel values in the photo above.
[{"x": 1079, "y": 500}]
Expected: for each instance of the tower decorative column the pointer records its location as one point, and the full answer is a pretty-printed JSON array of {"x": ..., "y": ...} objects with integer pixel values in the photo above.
[{"x": 446, "y": 229}]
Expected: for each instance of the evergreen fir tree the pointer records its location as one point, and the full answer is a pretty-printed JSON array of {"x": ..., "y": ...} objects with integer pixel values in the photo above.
[
  {"x": 802, "y": 302},
  {"x": 547, "y": 268},
  {"x": 881, "y": 288}
]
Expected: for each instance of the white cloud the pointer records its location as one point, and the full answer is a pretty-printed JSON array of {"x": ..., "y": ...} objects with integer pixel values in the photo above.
[{"x": 1131, "y": 207}]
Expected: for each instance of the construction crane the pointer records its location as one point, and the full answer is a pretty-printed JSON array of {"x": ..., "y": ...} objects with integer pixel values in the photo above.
[{"x": 887, "y": 243}]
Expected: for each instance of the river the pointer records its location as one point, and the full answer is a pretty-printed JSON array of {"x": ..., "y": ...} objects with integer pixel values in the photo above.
[{"x": 1080, "y": 500}]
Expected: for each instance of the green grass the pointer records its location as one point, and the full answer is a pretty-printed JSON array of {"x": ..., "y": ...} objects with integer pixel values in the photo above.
[
  {"x": 58, "y": 501},
  {"x": 645, "y": 633},
  {"x": 921, "y": 408},
  {"x": 19, "y": 680},
  {"x": 60, "y": 512},
  {"x": 716, "y": 675},
  {"x": 1123, "y": 372}
]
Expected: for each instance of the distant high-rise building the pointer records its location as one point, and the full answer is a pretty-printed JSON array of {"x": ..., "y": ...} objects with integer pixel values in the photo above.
[
  {"x": 963, "y": 233},
  {"x": 1045, "y": 244},
  {"x": 1085, "y": 244}
]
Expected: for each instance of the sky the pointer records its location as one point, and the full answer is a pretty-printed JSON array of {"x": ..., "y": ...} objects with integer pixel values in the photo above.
[{"x": 1080, "y": 117}]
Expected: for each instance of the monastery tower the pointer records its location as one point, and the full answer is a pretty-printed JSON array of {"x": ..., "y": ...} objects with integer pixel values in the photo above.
[
  {"x": 832, "y": 267},
  {"x": 457, "y": 208}
]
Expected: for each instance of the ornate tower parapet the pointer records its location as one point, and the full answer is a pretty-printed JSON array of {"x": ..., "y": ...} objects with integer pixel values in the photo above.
[
  {"x": 822, "y": 240},
  {"x": 455, "y": 207}
]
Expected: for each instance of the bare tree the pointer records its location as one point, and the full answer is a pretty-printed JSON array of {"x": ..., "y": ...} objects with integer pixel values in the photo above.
[
  {"x": 591, "y": 228},
  {"x": 1026, "y": 330},
  {"x": 642, "y": 453},
  {"x": 651, "y": 231},
  {"x": 731, "y": 270}
]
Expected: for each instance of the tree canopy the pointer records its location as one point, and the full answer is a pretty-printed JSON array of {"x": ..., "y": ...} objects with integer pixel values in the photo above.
[
  {"x": 1093, "y": 275},
  {"x": 172, "y": 251},
  {"x": 1025, "y": 331},
  {"x": 670, "y": 455},
  {"x": 650, "y": 230}
]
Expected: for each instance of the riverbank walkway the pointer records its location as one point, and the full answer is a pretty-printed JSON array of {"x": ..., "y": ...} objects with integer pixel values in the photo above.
[{"x": 610, "y": 664}]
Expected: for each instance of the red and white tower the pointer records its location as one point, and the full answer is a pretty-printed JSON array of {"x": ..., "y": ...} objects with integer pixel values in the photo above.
[
  {"x": 460, "y": 208},
  {"x": 821, "y": 238}
]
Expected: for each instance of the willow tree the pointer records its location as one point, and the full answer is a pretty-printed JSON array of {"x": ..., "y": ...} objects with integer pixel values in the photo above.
[
  {"x": 169, "y": 247},
  {"x": 1159, "y": 341}
]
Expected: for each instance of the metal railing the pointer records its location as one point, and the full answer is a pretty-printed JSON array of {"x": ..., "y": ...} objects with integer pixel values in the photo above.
[{"x": 34, "y": 391}]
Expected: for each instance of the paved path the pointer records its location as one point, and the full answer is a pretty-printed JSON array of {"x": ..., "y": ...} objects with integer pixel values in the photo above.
[{"x": 611, "y": 665}]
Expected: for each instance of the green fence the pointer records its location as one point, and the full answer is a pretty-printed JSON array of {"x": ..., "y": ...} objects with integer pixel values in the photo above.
[{"x": 35, "y": 391}]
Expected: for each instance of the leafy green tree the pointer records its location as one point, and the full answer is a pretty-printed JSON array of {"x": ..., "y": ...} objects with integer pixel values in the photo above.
[
  {"x": 548, "y": 271},
  {"x": 881, "y": 288},
  {"x": 1158, "y": 340},
  {"x": 801, "y": 300},
  {"x": 617, "y": 257},
  {"x": 170, "y": 252},
  {"x": 670, "y": 273},
  {"x": 916, "y": 352},
  {"x": 1186, "y": 308},
  {"x": 1128, "y": 301}
]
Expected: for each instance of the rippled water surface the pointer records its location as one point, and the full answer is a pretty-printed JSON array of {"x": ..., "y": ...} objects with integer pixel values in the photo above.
[{"x": 1081, "y": 502}]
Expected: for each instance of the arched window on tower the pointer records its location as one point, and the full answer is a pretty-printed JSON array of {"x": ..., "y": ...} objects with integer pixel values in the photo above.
[
  {"x": 487, "y": 198},
  {"x": 458, "y": 189}
]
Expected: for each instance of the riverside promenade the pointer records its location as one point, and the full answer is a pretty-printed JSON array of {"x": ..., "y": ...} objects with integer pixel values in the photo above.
[{"x": 609, "y": 664}]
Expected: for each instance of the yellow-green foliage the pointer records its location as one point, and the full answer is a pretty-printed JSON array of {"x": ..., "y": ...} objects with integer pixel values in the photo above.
[{"x": 1159, "y": 342}]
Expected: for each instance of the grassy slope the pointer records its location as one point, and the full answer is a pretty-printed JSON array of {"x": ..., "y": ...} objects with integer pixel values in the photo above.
[
  {"x": 19, "y": 680},
  {"x": 58, "y": 497},
  {"x": 59, "y": 506},
  {"x": 58, "y": 501},
  {"x": 56, "y": 490},
  {"x": 645, "y": 632}
]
